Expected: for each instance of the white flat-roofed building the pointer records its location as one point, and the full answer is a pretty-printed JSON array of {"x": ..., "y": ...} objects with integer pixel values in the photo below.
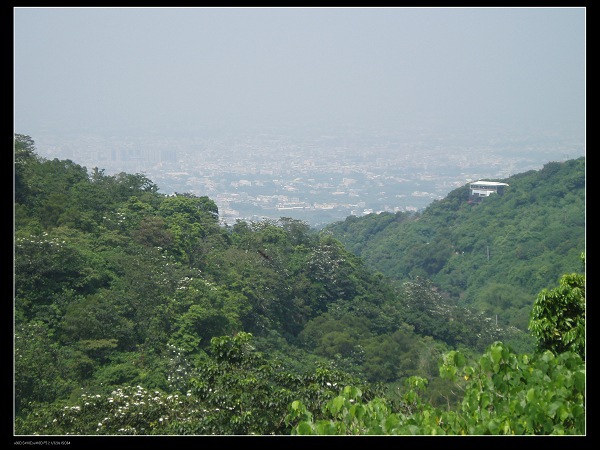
[{"x": 481, "y": 189}]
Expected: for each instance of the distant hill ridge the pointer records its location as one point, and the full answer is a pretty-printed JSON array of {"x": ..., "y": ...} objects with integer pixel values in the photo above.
[{"x": 494, "y": 255}]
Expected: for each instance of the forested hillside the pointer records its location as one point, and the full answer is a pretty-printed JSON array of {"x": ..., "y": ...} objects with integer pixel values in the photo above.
[
  {"x": 492, "y": 256},
  {"x": 139, "y": 313}
]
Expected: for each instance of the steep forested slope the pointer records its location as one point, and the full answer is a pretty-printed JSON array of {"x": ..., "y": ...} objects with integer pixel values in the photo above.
[
  {"x": 138, "y": 313},
  {"x": 494, "y": 255},
  {"x": 112, "y": 279}
]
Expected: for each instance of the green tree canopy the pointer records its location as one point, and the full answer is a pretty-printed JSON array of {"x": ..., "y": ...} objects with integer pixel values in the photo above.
[{"x": 558, "y": 316}]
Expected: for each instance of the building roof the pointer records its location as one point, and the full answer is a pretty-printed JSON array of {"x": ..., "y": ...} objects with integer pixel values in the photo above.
[{"x": 489, "y": 183}]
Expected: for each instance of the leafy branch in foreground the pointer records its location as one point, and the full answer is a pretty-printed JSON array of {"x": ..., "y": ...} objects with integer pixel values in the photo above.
[
  {"x": 504, "y": 394},
  {"x": 558, "y": 315}
]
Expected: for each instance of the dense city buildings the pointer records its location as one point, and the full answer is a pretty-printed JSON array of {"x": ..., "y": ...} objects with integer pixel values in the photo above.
[{"x": 315, "y": 177}]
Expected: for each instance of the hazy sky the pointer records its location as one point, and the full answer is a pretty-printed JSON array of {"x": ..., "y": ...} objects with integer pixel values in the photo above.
[{"x": 99, "y": 69}]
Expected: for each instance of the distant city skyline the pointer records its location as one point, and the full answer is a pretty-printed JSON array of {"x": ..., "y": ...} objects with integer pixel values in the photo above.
[
  {"x": 294, "y": 110},
  {"x": 318, "y": 179}
]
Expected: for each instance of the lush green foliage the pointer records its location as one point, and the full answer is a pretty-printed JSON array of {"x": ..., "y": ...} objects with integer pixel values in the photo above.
[
  {"x": 139, "y": 313},
  {"x": 558, "y": 316},
  {"x": 234, "y": 390},
  {"x": 458, "y": 326},
  {"x": 504, "y": 394},
  {"x": 494, "y": 256}
]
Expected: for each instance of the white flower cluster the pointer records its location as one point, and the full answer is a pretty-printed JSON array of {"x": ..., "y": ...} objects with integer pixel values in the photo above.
[{"x": 43, "y": 241}]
